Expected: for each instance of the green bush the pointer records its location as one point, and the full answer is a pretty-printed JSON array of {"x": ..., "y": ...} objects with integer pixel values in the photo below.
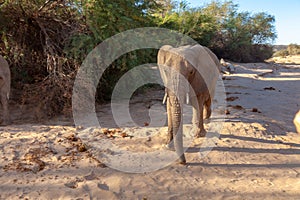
[
  {"x": 46, "y": 41},
  {"x": 237, "y": 36},
  {"x": 293, "y": 49},
  {"x": 281, "y": 53}
]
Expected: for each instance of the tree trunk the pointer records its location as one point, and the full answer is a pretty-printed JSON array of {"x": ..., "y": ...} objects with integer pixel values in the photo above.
[{"x": 4, "y": 101}]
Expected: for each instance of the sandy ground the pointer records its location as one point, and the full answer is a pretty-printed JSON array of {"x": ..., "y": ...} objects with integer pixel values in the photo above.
[{"x": 256, "y": 156}]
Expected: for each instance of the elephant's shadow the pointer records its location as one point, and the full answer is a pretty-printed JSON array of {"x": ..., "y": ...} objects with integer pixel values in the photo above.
[{"x": 295, "y": 150}]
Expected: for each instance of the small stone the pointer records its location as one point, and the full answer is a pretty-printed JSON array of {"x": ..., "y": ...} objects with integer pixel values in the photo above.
[
  {"x": 82, "y": 148},
  {"x": 72, "y": 138},
  {"x": 78, "y": 128},
  {"x": 124, "y": 135},
  {"x": 72, "y": 185},
  {"x": 269, "y": 88}
]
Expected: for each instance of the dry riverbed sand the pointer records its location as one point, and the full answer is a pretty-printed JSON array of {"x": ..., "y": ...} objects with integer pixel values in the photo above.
[{"x": 257, "y": 155}]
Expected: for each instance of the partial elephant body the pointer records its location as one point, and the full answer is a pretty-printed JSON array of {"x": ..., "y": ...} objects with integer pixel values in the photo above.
[
  {"x": 4, "y": 88},
  {"x": 297, "y": 121},
  {"x": 188, "y": 72}
]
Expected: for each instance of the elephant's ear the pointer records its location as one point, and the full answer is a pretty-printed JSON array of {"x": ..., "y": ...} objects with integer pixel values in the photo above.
[
  {"x": 161, "y": 62},
  {"x": 207, "y": 72},
  {"x": 198, "y": 84},
  {"x": 163, "y": 53},
  {"x": 214, "y": 58}
]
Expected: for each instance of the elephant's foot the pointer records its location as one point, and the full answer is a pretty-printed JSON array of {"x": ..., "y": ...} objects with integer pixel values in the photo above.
[
  {"x": 170, "y": 146},
  {"x": 170, "y": 143},
  {"x": 200, "y": 133},
  {"x": 182, "y": 160}
]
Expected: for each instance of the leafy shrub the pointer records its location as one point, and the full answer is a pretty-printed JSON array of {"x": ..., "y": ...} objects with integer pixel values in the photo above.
[
  {"x": 292, "y": 49},
  {"x": 46, "y": 41},
  {"x": 281, "y": 53}
]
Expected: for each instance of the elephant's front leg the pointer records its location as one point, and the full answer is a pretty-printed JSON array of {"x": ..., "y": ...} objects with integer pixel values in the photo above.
[
  {"x": 197, "y": 103},
  {"x": 170, "y": 142}
]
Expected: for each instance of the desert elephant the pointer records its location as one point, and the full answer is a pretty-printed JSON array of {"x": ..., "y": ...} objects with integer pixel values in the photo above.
[
  {"x": 4, "y": 89},
  {"x": 297, "y": 121},
  {"x": 199, "y": 69}
]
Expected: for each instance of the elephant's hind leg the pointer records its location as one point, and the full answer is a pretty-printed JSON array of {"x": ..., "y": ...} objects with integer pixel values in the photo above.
[
  {"x": 198, "y": 116},
  {"x": 207, "y": 109}
]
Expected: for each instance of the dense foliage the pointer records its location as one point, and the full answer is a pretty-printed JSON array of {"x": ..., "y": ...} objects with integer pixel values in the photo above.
[
  {"x": 238, "y": 36},
  {"x": 45, "y": 41}
]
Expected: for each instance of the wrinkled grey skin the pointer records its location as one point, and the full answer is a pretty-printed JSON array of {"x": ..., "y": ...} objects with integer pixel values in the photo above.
[
  {"x": 200, "y": 98},
  {"x": 4, "y": 89}
]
